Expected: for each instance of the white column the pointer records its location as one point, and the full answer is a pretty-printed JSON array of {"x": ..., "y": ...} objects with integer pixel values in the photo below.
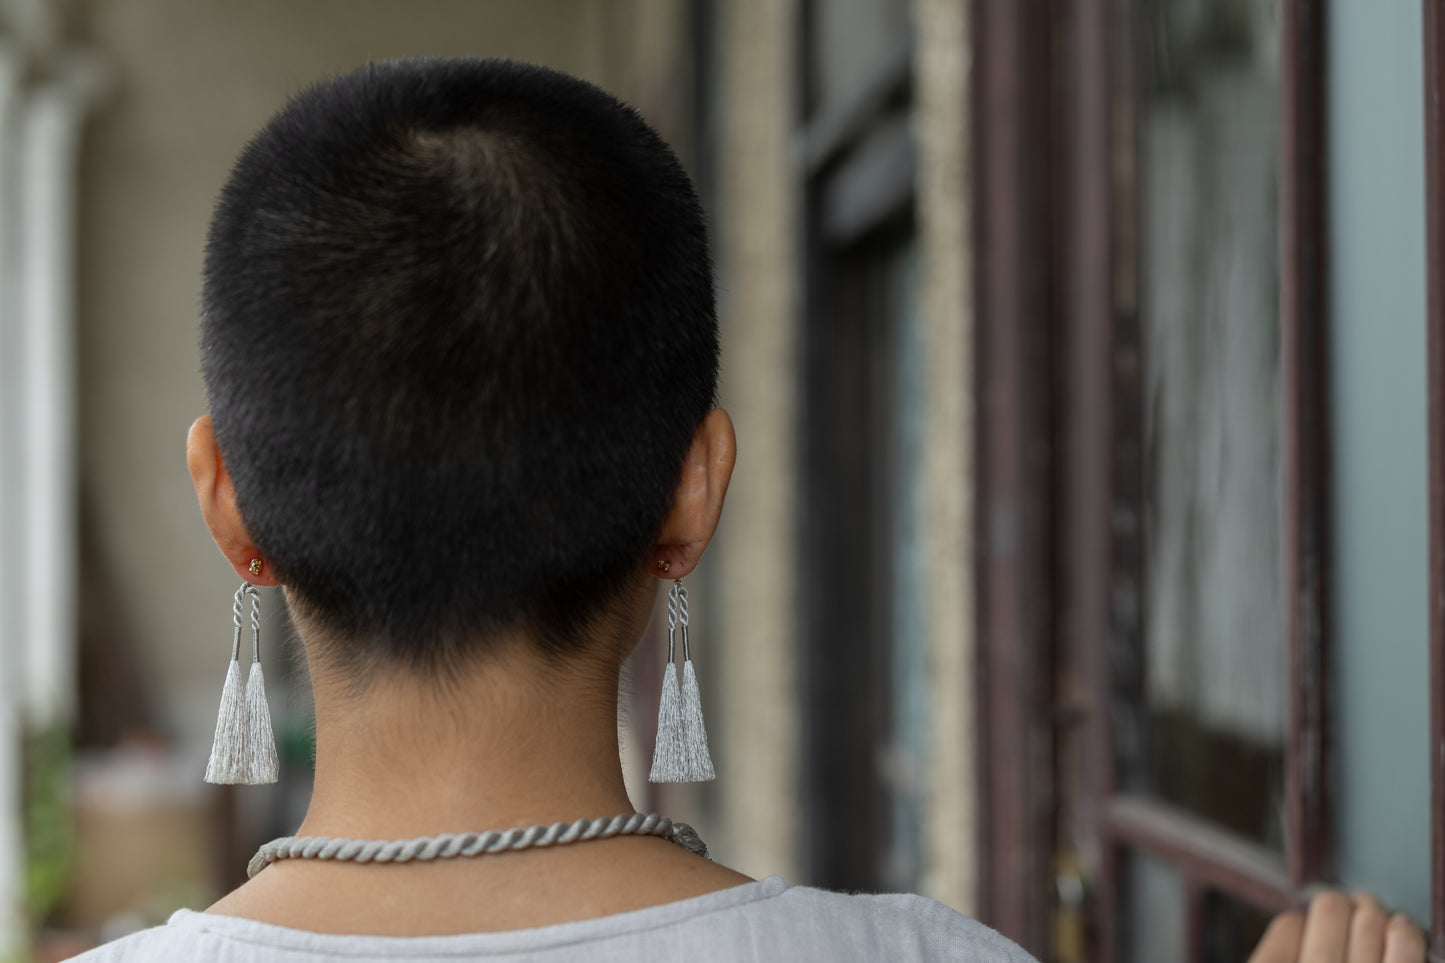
[
  {"x": 12, "y": 852},
  {"x": 39, "y": 140},
  {"x": 950, "y": 815},
  {"x": 49, "y": 136},
  {"x": 759, "y": 722}
]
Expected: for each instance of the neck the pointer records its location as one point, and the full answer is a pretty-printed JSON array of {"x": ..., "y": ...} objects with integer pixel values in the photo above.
[{"x": 513, "y": 741}]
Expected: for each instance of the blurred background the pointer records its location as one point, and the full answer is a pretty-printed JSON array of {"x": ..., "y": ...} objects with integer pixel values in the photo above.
[{"x": 1074, "y": 572}]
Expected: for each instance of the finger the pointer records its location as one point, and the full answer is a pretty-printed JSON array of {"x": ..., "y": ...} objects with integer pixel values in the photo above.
[
  {"x": 1280, "y": 943},
  {"x": 1326, "y": 929},
  {"x": 1404, "y": 942},
  {"x": 1367, "y": 930}
]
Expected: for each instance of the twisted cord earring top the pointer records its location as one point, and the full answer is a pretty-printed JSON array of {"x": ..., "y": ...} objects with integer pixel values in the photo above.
[
  {"x": 236, "y": 621},
  {"x": 672, "y": 623},
  {"x": 255, "y": 595},
  {"x": 679, "y": 592}
]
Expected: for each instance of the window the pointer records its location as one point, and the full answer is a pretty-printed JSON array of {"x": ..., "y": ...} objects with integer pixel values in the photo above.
[
  {"x": 864, "y": 661},
  {"x": 1153, "y": 510}
]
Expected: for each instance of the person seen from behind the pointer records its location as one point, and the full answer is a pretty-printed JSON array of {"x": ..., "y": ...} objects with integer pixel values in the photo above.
[{"x": 460, "y": 348}]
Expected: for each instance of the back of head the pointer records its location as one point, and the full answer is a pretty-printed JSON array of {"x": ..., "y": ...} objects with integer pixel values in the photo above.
[{"x": 458, "y": 333}]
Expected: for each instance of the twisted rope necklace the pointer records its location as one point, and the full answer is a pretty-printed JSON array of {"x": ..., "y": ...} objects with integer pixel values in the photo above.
[{"x": 454, "y": 845}]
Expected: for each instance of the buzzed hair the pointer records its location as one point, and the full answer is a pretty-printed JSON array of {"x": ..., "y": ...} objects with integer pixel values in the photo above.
[{"x": 458, "y": 333}]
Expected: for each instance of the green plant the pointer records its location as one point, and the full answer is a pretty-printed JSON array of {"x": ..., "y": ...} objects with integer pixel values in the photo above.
[{"x": 49, "y": 832}]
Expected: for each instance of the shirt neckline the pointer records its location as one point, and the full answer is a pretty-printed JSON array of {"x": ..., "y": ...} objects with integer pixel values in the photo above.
[{"x": 532, "y": 939}]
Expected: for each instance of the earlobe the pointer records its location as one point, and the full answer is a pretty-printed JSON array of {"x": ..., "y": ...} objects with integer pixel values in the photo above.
[
  {"x": 217, "y": 498},
  {"x": 697, "y": 504}
]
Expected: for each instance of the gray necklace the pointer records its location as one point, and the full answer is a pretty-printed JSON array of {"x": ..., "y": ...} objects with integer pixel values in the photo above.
[{"x": 453, "y": 845}]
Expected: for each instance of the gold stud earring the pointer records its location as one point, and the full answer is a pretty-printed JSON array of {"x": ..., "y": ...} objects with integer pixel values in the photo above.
[
  {"x": 664, "y": 565},
  {"x": 255, "y": 566}
]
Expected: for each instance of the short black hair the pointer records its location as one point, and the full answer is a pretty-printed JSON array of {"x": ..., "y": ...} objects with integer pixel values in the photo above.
[{"x": 458, "y": 332}]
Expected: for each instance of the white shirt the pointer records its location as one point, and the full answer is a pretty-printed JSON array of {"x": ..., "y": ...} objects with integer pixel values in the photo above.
[{"x": 765, "y": 920}]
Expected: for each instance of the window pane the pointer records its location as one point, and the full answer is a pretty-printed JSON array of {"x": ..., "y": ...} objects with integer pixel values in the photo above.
[
  {"x": 1231, "y": 929},
  {"x": 1380, "y": 597},
  {"x": 1209, "y": 706},
  {"x": 1153, "y": 909},
  {"x": 866, "y": 663},
  {"x": 904, "y": 759},
  {"x": 849, "y": 40}
]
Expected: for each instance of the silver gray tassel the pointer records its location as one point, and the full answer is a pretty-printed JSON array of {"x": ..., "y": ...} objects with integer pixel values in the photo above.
[
  {"x": 697, "y": 760},
  {"x": 681, "y": 754},
  {"x": 226, "y": 763},
  {"x": 667, "y": 765},
  {"x": 261, "y": 766},
  {"x": 244, "y": 750}
]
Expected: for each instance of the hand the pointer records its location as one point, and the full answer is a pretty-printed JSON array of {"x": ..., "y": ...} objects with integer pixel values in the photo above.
[{"x": 1341, "y": 930}]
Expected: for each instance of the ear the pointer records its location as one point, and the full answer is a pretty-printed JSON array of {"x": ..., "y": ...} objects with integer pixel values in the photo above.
[
  {"x": 218, "y": 504},
  {"x": 697, "y": 506}
]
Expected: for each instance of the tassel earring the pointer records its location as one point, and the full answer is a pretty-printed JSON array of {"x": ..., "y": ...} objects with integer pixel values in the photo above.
[
  {"x": 244, "y": 749},
  {"x": 681, "y": 754},
  {"x": 228, "y": 746}
]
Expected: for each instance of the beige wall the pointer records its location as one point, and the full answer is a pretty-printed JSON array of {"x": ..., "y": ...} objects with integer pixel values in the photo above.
[{"x": 192, "y": 81}]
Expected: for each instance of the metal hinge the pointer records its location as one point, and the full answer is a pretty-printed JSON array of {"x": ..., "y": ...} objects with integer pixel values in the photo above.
[{"x": 1071, "y": 921}]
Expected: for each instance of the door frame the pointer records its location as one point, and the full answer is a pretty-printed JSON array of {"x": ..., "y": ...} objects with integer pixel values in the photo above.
[{"x": 1060, "y": 462}]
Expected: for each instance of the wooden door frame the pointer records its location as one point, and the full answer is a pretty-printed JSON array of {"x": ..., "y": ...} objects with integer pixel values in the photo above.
[
  {"x": 1010, "y": 119},
  {"x": 1051, "y": 434},
  {"x": 1434, "y": 80}
]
